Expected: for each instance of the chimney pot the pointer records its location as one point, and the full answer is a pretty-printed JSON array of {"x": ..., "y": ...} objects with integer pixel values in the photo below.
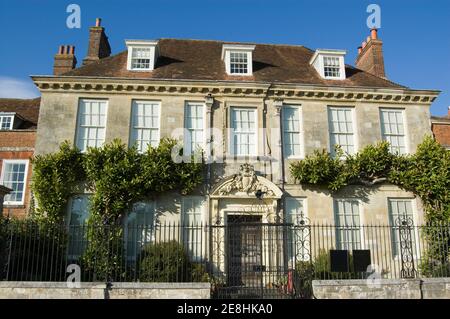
[
  {"x": 65, "y": 60},
  {"x": 374, "y": 34},
  {"x": 370, "y": 58},
  {"x": 98, "y": 47}
]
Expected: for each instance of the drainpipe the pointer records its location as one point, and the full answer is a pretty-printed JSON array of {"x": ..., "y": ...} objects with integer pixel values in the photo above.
[
  {"x": 209, "y": 101},
  {"x": 266, "y": 143}
]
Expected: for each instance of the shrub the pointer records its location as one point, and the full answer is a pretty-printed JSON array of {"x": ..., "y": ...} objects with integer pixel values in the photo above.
[
  {"x": 169, "y": 262},
  {"x": 163, "y": 262},
  {"x": 33, "y": 252}
]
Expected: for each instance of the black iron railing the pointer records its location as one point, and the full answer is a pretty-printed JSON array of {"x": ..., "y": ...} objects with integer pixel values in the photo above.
[{"x": 242, "y": 259}]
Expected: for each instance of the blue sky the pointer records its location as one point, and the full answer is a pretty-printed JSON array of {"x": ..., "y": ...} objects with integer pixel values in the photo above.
[{"x": 416, "y": 33}]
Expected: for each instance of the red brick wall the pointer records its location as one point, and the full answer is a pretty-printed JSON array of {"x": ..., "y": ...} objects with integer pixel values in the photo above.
[
  {"x": 18, "y": 145},
  {"x": 441, "y": 133},
  {"x": 17, "y": 138}
]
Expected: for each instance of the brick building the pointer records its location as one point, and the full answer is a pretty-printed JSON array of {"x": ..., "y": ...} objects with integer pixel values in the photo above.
[
  {"x": 18, "y": 124},
  {"x": 440, "y": 125}
]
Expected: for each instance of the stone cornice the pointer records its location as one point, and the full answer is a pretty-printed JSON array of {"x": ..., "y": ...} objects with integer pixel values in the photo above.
[{"x": 232, "y": 88}]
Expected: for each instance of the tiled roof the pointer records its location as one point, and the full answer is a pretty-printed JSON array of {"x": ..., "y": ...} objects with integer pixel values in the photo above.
[
  {"x": 201, "y": 60},
  {"x": 27, "y": 109}
]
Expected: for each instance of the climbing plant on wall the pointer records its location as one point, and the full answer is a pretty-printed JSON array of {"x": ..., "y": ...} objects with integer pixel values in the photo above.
[
  {"x": 425, "y": 173},
  {"x": 117, "y": 177}
]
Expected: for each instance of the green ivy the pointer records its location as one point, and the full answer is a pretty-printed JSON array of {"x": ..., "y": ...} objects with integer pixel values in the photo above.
[
  {"x": 117, "y": 177},
  {"x": 55, "y": 176},
  {"x": 425, "y": 173}
]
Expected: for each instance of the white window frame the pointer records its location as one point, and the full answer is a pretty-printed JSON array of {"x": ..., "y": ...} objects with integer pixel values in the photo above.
[
  {"x": 76, "y": 231},
  {"x": 354, "y": 128},
  {"x": 232, "y": 133},
  {"x": 196, "y": 227},
  {"x": 395, "y": 252},
  {"x": 147, "y": 239},
  {"x": 133, "y": 129},
  {"x": 79, "y": 127},
  {"x": 343, "y": 228},
  {"x": 2, "y": 180},
  {"x": 202, "y": 144},
  {"x": 317, "y": 61},
  {"x": 304, "y": 232},
  {"x": 137, "y": 44},
  {"x": 405, "y": 130},
  {"x": 300, "y": 132},
  {"x": 69, "y": 208},
  {"x": 339, "y": 66},
  {"x": 4, "y": 116},
  {"x": 227, "y": 49}
]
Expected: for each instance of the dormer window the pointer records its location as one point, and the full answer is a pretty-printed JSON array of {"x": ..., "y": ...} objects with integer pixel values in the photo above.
[
  {"x": 331, "y": 67},
  {"x": 142, "y": 55},
  {"x": 329, "y": 64},
  {"x": 238, "y": 59},
  {"x": 6, "y": 121}
]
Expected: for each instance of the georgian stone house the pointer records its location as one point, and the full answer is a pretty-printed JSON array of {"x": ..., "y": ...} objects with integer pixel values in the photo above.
[{"x": 253, "y": 108}]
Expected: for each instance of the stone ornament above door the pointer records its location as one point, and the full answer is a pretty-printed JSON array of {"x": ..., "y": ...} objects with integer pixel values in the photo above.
[{"x": 246, "y": 184}]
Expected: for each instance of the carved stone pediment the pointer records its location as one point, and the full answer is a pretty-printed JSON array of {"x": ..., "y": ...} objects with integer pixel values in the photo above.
[{"x": 245, "y": 184}]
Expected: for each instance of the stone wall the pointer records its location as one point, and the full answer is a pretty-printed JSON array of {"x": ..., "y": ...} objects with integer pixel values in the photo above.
[
  {"x": 433, "y": 288},
  {"x": 60, "y": 290}
]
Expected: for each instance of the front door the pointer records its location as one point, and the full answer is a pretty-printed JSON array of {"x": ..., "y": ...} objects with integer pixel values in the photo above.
[{"x": 244, "y": 251}]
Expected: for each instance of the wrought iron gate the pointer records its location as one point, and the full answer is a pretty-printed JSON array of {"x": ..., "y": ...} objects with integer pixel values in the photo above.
[{"x": 255, "y": 259}]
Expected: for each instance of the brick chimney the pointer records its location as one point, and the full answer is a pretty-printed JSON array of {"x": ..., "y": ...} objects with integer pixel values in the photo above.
[
  {"x": 65, "y": 60},
  {"x": 370, "y": 55},
  {"x": 98, "y": 44}
]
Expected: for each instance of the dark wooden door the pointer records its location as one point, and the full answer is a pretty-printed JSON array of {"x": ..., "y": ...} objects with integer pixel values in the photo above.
[{"x": 244, "y": 251}]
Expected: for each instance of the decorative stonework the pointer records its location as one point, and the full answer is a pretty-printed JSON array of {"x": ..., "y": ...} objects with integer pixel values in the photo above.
[
  {"x": 245, "y": 184},
  {"x": 235, "y": 89}
]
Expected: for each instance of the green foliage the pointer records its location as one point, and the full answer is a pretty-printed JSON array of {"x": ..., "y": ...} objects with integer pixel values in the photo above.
[
  {"x": 425, "y": 173},
  {"x": 103, "y": 257},
  {"x": 169, "y": 262},
  {"x": 320, "y": 168},
  {"x": 117, "y": 176},
  {"x": 54, "y": 177},
  {"x": 163, "y": 262},
  {"x": 38, "y": 253}
]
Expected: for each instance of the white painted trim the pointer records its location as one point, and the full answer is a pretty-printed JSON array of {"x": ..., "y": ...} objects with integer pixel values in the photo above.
[
  {"x": 204, "y": 114},
  {"x": 69, "y": 207},
  {"x": 317, "y": 61},
  {"x": 7, "y": 115},
  {"x": 16, "y": 161},
  {"x": 361, "y": 218},
  {"x": 302, "y": 132},
  {"x": 78, "y": 126},
  {"x": 131, "y": 130},
  {"x": 203, "y": 218},
  {"x": 154, "y": 52},
  {"x": 354, "y": 127},
  {"x": 404, "y": 122},
  {"x": 231, "y": 134},
  {"x": 227, "y": 49}
]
